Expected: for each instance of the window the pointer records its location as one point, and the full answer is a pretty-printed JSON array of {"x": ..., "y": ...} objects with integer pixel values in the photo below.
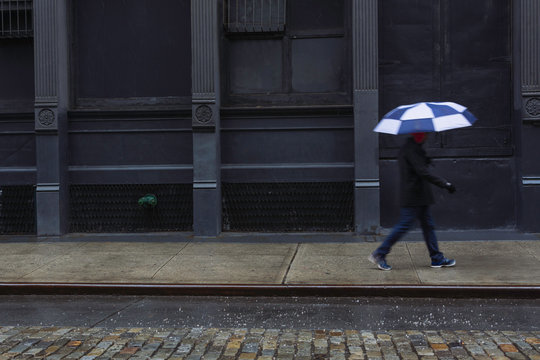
[
  {"x": 16, "y": 19},
  {"x": 133, "y": 53},
  {"x": 300, "y": 59},
  {"x": 16, "y": 56}
]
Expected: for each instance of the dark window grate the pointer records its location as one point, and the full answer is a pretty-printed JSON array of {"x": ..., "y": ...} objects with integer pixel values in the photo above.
[
  {"x": 115, "y": 208},
  {"x": 288, "y": 207},
  {"x": 254, "y": 16},
  {"x": 17, "y": 209},
  {"x": 16, "y": 19}
]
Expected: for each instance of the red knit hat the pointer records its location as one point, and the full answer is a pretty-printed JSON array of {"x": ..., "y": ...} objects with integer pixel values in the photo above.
[{"x": 419, "y": 137}]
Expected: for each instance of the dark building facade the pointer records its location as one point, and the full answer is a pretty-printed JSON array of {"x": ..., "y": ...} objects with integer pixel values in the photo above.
[{"x": 257, "y": 115}]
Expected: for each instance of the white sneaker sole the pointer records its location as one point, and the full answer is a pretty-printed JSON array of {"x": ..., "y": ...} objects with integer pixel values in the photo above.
[
  {"x": 440, "y": 266},
  {"x": 375, "y": 262}
]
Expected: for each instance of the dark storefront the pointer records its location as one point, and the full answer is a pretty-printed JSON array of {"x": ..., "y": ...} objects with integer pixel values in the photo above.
[{"x": 257, "y": 115}]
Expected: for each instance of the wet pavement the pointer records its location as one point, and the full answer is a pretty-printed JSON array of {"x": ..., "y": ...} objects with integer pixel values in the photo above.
[
  {"x": 374, "y": 313},
  {"x": 463, "y": 316},
  {"x": 200, "y": 328},
  {"x": 257, "y": 343}
]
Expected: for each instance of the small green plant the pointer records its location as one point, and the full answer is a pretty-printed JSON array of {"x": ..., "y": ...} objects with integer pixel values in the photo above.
[{"x": 148, "y": 201}]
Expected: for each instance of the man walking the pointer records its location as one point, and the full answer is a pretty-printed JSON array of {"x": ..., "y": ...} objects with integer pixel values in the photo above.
[{"x": 416, "y": 197}]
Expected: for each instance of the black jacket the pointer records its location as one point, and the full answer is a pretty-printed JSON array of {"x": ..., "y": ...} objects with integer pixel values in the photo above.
[{"x": 415, "y": 176}]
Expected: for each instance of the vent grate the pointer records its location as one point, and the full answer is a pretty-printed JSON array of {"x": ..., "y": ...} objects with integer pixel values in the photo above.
[{"x": 254, "y": 16}]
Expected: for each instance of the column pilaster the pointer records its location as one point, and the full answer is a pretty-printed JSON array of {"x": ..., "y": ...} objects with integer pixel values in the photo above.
[
  {"x": 530, "y": 58},
  {"x": 527, "y": 103},
  {"x": 51, "y": 103},
  {"x": 206, "y": 118},
  {"x": 366, "y": 113}
]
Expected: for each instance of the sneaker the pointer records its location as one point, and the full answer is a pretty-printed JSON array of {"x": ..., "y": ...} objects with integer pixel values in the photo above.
[
  {"x": 443, "y": 263},
  {"x": 381, "y": 263}
]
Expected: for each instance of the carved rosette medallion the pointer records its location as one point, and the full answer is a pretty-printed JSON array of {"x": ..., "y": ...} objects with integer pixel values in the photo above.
[
  {"x": 533, "y": 107},
  {"x": 46, "y": 117},
  {"x": 203, "y": 114}
]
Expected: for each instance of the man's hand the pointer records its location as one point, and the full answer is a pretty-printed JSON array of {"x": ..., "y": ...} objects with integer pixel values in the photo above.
[{"x": 450, "y": 187}]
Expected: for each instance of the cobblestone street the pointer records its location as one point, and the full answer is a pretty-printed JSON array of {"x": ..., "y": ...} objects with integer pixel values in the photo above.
[{"x": 213, "y": 343}]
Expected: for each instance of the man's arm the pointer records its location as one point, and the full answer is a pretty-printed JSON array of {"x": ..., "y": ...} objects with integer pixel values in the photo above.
[{"x": 421, "y": 168}]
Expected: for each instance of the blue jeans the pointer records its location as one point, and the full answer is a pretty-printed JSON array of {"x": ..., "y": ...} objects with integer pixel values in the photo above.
[{"x": 407, "y": 217}]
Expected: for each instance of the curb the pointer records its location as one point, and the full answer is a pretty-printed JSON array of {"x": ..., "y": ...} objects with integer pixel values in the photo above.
[{"x": 410, "y": 291}]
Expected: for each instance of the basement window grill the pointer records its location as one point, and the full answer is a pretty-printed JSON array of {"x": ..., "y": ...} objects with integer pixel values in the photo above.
[
  {"x": 254, "y": 16},
  {"x": 17, "y": 209},
  {"x": 16, "y": 19},
  {"x": 115, "y": 208},
  {"x": 288, "y": 207}
]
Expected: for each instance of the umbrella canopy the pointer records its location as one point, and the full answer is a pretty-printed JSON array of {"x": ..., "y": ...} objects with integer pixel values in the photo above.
[{"x": 425, "y": 117}]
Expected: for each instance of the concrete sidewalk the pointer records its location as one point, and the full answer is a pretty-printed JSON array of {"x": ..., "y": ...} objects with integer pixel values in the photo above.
[{"x": 259, "y": 260}]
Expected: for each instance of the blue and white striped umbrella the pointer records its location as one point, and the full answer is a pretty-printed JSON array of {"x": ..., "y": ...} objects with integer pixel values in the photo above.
[{"x": 425, "y": 117}]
